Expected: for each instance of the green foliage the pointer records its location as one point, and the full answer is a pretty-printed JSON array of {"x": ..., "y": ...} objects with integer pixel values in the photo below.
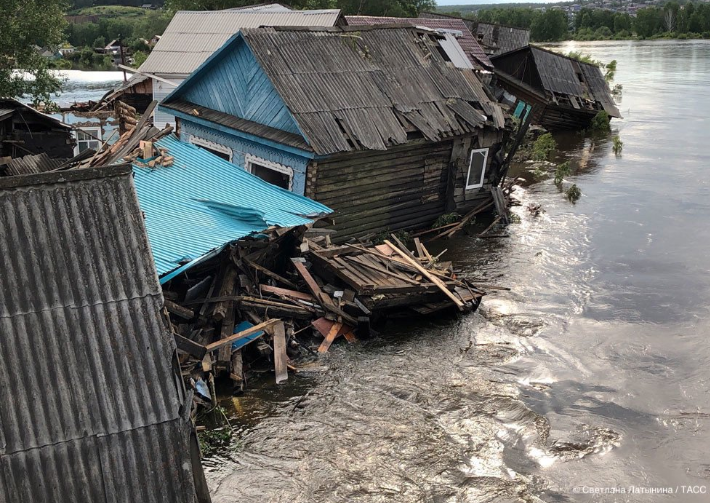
[
  {"x": 617, "y": 145},
  {"x": 584, "y": 58},
  {"x": 99, "y": 42},
  {"x": 543, "y": 147},
  {"x": 25, "y": 25},
  {"x": 395, "y": 8},
  {"x": 446, "y": 219},
  {"x": 610, "y": 72},
  {"x": 600, "y": 123},
  {"x": 549, "y": 26},
  {"x": 539, "y": 173},
  {"x": 573, "y": 193},
  {"x": 118, "y": 25},
  {"x": 215, "y": 440},
  {"x": 139, "y": 58},
  {"x": 404, "y": 236},
  {"x": 562, "y": 170}
]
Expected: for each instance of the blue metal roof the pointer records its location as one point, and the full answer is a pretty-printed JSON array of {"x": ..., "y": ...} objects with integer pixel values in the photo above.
[{"x": 202, "y": 202}]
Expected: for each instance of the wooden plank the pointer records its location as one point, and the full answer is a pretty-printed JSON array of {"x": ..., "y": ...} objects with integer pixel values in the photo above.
[
  {"x": 178, "y": 310},
  {"x": 418, "y": 245},
  {"x": 428, "y": 275},
  {"x": 310, "y": 281},
  {"x": 271, "y": 274},
  {"x": 240, "y": 335},
  {"x": 330, "y": 337},
  {"x": 280, "y": 356},
  {"x": 190, "y": 347},
  {"x": 283, "y": 292},
  {"x": 360, "y": 260}
]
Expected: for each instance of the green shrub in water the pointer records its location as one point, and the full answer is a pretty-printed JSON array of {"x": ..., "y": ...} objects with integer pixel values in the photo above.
[
  {"x": 561, "y": 172},
  {"x": 573, "y": 193},
  {"x": 618, "y": 145},
  {"x": 543, "y": 147},
  {"x": 600, "y": 123},
  {"x": 446, "y": 219}
]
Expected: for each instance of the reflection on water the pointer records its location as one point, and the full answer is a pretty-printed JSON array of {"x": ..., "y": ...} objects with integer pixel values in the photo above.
[
  {"x": 589, "y": 373},
  {"x": 81, "y": 86}
]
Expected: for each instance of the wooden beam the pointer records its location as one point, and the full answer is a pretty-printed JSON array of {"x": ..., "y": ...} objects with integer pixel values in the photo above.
[
  {"x": 190, "y": 347},
  {"x": 240, "y": 335},
  {"x": 271, "y": 274},
  {"x": 178, "y": 310},
  {"x": 280, "y": 356},
  {"x": 428, "y": 275},
  {"x": 332, "y": 334},
  {"x": 283, "y": 292}
]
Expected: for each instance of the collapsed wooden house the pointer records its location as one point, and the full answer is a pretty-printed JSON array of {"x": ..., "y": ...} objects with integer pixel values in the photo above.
[
  {"x": 373, "y": 122},
  {"x": 450, "y": 27},
  {"x": 93, "y": 406},
  {"x": 25, "y": 131},
  {"x": 493, "y": 38},
  {"x": 565, "y": 93}
]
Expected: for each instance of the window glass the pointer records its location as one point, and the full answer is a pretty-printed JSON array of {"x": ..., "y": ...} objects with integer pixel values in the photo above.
[{"x": 476, "y": 168}]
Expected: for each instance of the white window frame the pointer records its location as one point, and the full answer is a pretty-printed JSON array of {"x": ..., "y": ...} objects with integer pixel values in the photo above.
[
  {"x": 250, "y": 159},
  {"x": 95, "y": 132},
  {"x": 483, "y": 171},
  {"x": 201, "y": 142}
]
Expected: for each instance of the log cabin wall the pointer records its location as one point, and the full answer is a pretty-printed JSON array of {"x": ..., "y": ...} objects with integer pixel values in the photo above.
[{"x": 400, "y": 188}]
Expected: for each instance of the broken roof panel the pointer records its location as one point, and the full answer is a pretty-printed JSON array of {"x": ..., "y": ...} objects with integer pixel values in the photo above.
[
  {"x": 91, "y": 403},
  {"x": 192, "y": 36},
  {"x": 203, "y": 202},
  {"x": 29, "y": 164},
  {"x": 499, "y": 39},
  {"x": 466, "y": 39}
]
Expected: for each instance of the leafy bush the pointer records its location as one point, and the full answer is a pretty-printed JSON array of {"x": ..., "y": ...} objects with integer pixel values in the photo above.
[
  {"x": 561, "y": 172},
  {"x": 543, "y": 147},
  {"x": 573, "y": 193},
  {"x": 600, "y": 123},
  {"x": 618, "y": 145},
  {"x": 446, "y": 219}
]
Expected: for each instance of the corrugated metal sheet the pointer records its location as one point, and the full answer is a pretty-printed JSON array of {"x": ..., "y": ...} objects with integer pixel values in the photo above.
[
  {"x": 557, "y": 73},
  {"x": 351, "y": 91},
  {"x": 191, "y": 37},
  {"x": 90, "y": 403},
  {"x": 497, "y": 39},
  {"x": 32, "y": 164},
  {"x": 466, "y": 40},
  {"x": 203, "y": 202}
]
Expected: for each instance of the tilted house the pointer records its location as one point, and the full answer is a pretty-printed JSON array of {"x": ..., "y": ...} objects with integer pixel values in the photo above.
[
  {"x": 566, "y": 93},
  {"x": 193, "y": 36},
  {"x": 453, "y": 26},
  {"x": 372, "y": 122},
  {"x": 25, "y": 131},
  {"x": 493, "y": 38}
]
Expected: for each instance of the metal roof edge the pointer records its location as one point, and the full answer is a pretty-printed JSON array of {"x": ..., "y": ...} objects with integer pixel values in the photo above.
[{"x": 53, "y": 177}]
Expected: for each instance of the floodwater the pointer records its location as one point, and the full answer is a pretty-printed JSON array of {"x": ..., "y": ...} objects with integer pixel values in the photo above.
[
  {"x": 588, "y": 381},
  {"x": 81, "y": 86}
]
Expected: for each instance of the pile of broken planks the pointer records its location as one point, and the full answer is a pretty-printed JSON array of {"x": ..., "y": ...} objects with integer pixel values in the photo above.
[{"x": 286, "y": 296}]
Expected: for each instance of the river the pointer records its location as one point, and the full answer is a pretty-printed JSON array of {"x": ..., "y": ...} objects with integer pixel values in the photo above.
[{"x": 588, "y": 381}]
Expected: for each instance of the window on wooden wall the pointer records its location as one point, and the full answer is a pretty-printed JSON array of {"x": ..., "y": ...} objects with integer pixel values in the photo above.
[
  {"x": 215, "y": 148},
  {"x": 476, "y": 168},
  {"x": 87, "y": 138},
  {"x": 272, "y": 172}
]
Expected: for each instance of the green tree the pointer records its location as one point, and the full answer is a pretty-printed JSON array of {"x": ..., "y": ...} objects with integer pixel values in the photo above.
[
  {"x": 622, "y": 22},
  {"x": 139, "y": 58},
  {"x": 549, "y": 26},
  {"x": 647, "y": 22},
  {"x": 99, "y": 42},
  {"x": 25, "y": 25}
]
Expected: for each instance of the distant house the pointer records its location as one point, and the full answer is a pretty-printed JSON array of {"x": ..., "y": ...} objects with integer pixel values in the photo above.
[
  {"x": 192, "y": 37},
  {"x": 25, "y": 131},
  {"x": 113, "y": 47},
  {"x": 567, "y": 93},
  {"x": 453, "y": 26},
  {"x": 372, "y": 122}
]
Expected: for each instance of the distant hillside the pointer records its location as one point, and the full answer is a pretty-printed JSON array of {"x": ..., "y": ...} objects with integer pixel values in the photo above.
[
  {"x": 485, "y": 4},
  {"x": 80, "y": 4}
]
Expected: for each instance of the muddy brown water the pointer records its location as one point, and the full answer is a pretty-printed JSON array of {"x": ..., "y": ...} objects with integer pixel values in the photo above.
[{"x": 589, "y": 381}]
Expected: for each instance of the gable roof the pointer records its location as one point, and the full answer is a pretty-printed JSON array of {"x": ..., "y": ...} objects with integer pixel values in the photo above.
[
  {"x": 203, "y": 202},
  {"x": 353, "y": 89},
  {"x": 9, "y": 106},
  {"x": 467, "y": 41},
  {"x": 91, "y": 411},
  {"x": 192, "y": 36},
  {"x": 558, "y": 74}
]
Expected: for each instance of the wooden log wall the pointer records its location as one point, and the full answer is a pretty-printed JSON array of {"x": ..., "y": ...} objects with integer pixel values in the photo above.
[{"x": 404, "y": 187}]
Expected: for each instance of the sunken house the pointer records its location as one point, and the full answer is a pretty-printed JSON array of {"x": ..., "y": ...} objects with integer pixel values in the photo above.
[
  {"x": 25, "y": 131},
  {"x": 373, "y": 122},
  {"x": 565, "y": 93}
]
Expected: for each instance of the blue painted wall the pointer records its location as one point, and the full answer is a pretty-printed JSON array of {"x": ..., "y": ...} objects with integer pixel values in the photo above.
[
  {"x": 240, "y": 147},
  {"x": 234, "y": 83}
]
